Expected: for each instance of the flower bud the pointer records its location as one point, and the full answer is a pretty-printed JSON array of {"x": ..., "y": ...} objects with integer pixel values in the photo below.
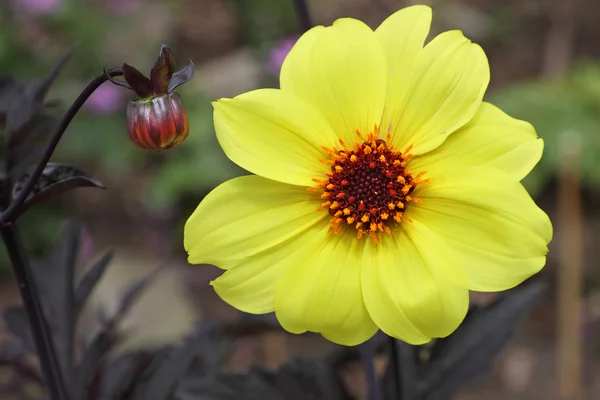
[
  {"x": 157, "y": 120},
  {"x": 157, "y": 123}
]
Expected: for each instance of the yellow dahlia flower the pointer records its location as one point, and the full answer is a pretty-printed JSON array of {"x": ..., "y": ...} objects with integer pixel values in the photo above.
[{"x": 385, "y": 188}]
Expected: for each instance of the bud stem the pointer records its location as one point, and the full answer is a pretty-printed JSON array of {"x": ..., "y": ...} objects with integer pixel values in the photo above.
[
  {"x": 304, "y": 17},
  {"x": 8, "y": 215}
]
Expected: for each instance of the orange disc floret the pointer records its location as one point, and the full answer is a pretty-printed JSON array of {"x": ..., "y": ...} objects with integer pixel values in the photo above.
[{"x": 369, "y": 184}]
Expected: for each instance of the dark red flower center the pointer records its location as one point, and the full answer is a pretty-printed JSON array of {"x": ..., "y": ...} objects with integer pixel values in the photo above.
[{"x": 368, "y": 187}]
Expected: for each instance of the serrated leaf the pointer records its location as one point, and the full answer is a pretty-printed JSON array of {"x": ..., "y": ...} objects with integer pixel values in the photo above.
[
  {"x": 55, "y": 180},
  {"x": 470, "y": 350},
  {"x": 87, "y": 284},
  {"x": 297, "y": 380}
]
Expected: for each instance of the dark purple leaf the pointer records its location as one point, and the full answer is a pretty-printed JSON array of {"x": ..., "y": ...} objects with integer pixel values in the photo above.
[
  {"x": 166, "y": 371},
  {"x": 23, "y": 110},
  {"x": 54, "y": 274},
  {"x": 162, "y": 71},
  {"x": 10, "y": 90},
  {"x": 53, "y": 278},
  {"x": 45, "y": 84},
  {"x": 26, "y": 148},
  {"x": 120, "y": 376},
  {"x": 131, "y": 294},
  {"x": 182, "y": 76},
  {"x": 38, "y": 129},
  {"x": 137, "y": 81},
  {"x": 470, "y": 351},
  {"x": 17, "y": 323},
  {"x": 55, "y": 180},
  {"x": 87, "y": 284},
  {"x": 297, "y": 380},
  {"x": 88, "y": 373},
  {"x": 25, "y": 101},
  {"x": 22, "y": 158},
  {"x": 89, "y": 370}
]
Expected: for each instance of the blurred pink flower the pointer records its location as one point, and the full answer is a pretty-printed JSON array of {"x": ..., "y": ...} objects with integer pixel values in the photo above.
[
  {"x": 39, "y": 6},
  {"x": 278, "y": 54},
  {"x": 123, "y": 6},
  {"x": 107, "y": 99}
]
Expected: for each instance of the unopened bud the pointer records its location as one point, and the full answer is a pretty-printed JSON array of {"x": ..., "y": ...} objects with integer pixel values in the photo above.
[
  {"x": 157, "y": 123},
  {"x": 157, "y": 120}
]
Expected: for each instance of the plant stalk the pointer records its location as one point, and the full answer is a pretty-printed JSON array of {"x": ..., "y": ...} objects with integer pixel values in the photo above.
[
  {"x": 39, "y": 326},
  {"x": 403, "y": 364},
  {"x": 368, "y": 350}
]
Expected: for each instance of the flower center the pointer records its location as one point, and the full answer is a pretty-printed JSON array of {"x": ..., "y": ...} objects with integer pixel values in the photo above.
[{"x": 368, "y": 187}]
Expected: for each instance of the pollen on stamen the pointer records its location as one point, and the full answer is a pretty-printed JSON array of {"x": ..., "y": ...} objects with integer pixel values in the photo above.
[{"x": 368, "y": 186}]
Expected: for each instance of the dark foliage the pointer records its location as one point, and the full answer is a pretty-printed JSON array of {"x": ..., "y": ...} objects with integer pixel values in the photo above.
[
  {"x": 24, "y": 111},
  {"x": 297, "y": 380},
  {"x": 468, "y": 353},
  {"x": 88, "y": 282},
  {"x": 55, "y": 180},
  {"x": 465, "y": 355},
  {"x": 22, "y": 102},
  {"x": 63, "y": 301},
  {"x": 18, "y": 324}
]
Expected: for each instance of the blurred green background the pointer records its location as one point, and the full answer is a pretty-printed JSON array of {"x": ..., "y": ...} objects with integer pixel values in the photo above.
[{"x": 544, "y": 58}]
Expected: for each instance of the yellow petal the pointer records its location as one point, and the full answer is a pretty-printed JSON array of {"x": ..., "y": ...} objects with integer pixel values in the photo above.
[
  {"x": 499, "y": 234},
  {"x": 250, "y": 286},
  {"x": 402, "y": 35},
  {"x": 340, "y": 70},
  {"x": 491, "y": 139},
  {"x": 321, "y": 292},
  {"x": 245, "y": 217},
  {"x": 273, "y": 134},
  {"x": 444, "y": 93},
  {"x": 408, "y": 288}
]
